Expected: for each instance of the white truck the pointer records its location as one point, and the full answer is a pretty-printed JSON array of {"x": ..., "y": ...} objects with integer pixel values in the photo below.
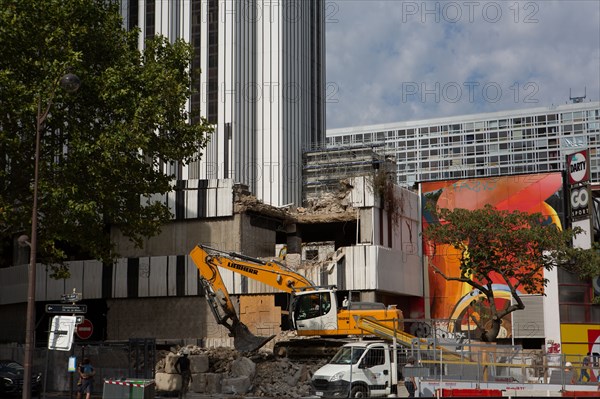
[{"x": 360, "y": 370}]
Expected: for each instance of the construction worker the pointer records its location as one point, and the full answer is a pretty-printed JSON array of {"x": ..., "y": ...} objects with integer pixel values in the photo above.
[{"x": 182, "y": 366}]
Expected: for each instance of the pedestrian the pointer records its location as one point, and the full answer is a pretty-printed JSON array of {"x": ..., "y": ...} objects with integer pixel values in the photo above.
[
  {"x": 570, "y": 374},
  {"x": 345, "y": 303},
  {"x": 182, "y": 366},
  {"x": 86, "y": 378},
  {"x": 585, "y": 368},
  {"x": 409, "y": 380}
]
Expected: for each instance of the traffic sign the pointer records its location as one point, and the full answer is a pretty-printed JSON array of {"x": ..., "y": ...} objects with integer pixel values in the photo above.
[
  {"x": 61, "y": 333},
  {"x": 65, "y": 308},
  {"x": 85, "y": 329}
]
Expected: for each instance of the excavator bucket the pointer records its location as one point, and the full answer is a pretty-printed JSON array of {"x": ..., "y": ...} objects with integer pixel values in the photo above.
[{"x": 245, "y": 341}]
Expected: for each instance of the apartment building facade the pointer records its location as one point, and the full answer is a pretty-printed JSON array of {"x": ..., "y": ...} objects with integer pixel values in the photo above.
[{"x": 491, "y": 144}]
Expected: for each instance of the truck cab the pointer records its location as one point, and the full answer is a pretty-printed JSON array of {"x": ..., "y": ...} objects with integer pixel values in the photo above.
[{"x": 358, "y": 370}]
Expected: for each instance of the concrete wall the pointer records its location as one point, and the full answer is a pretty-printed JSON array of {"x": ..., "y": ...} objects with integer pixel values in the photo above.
[
  {"x": 253, "y": 235},
  {"x": 186, "y": 318},
  {"x": 178, "y": 238}
]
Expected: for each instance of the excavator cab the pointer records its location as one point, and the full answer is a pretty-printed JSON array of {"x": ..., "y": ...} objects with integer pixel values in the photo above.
[{"x": 314, "y": 310}]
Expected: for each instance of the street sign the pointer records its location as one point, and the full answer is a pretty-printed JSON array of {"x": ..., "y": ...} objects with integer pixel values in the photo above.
[
  {"x": 65, "y": 308},
  {"x": 85, "y": 329},
  {"x": 61, "y": 333}
]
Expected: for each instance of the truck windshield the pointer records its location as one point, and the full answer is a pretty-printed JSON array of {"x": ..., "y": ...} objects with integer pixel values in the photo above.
[{"x": 347, "y": 355}]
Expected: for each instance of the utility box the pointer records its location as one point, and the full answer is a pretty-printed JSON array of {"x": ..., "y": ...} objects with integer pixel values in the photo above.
[{"x": 129, "y": 389}]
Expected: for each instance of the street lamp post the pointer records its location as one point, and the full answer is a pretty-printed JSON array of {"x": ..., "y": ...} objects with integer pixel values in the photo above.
[{"x": 70, "y": 83}]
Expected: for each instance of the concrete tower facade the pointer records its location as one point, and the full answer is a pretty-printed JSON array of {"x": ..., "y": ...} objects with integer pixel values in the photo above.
[{"x": 260, "y": 67}]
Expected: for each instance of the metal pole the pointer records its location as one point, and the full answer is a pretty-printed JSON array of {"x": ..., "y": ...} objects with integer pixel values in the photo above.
[
  {"x": 46, "y": 366},
  {"x": 30, "y": 326},
  {"x": 69, "y": 83}
]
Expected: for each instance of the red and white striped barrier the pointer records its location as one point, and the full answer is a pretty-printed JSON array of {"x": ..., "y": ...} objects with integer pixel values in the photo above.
[{"x": 129, "y": 383}]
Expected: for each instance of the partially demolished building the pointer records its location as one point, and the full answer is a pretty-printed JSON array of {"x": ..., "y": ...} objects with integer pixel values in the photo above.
[{"x": 344, "y": 237}]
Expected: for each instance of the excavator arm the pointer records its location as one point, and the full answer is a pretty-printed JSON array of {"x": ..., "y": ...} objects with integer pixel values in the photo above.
[{"x": 208, "y": 261}]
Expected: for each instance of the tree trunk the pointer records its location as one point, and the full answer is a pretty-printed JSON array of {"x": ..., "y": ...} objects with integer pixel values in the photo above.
[{"x": 491, "y": 334}]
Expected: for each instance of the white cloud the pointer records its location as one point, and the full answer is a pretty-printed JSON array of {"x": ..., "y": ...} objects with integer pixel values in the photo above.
[{"x": 390, "y": 61}]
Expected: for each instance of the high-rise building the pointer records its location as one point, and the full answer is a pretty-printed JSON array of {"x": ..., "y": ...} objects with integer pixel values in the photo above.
[
  {"x": 260, "y": 67},
  {"x": 492, "y": 144}
]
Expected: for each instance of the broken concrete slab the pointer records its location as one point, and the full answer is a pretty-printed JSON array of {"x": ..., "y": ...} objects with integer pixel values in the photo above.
[
  {"x": 199, "y": 363},
  {"x": 243, "y": 367},
  {"x": 235, "y": 385},
  {"x": 167, "y": 382},
  {"x": 213, "y": 383}
]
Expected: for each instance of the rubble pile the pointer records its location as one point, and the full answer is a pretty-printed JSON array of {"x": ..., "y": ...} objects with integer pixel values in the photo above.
[
  {"x": 330, "y": 202},
  {"x": 284, "y": 378},
  {"x": 330, "y": 206},
  {"x": 226, "y": 371}
]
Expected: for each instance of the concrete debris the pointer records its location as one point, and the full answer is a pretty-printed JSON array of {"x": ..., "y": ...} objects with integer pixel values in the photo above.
[
  {"x": 229, "y": 372},
  {"x": 331, "y": 206}
]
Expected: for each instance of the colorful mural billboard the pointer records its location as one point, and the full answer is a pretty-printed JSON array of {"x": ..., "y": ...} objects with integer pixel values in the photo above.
[{"x": 527, "y": 193}]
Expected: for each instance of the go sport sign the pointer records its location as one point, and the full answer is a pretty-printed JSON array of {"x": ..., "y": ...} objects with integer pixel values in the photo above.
[{"x": 578, "y": 175}]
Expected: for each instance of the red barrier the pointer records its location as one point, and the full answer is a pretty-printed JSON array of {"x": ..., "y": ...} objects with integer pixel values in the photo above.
[
  {"x": 581, "y": 394},
  {"x": 449, "y": 393}
]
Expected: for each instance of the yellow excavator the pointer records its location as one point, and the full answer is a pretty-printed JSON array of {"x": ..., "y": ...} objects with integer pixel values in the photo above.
[{"x": 314, "y": 310}]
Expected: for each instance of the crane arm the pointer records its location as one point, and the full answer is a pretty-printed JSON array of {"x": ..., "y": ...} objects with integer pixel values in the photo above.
[
  {"x": 218, "y": 298},
  {"x": 269, "y": 273}
]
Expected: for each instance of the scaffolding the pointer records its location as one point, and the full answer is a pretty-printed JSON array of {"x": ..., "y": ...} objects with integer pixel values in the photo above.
[{"x": 324, "y": 169}]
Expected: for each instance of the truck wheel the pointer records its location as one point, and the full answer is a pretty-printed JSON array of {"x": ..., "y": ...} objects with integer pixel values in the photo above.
[{"x": 358, "y": 391}]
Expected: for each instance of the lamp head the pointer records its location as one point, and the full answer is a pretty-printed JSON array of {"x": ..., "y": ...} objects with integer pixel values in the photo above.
[{"x": 70, "y": 82}]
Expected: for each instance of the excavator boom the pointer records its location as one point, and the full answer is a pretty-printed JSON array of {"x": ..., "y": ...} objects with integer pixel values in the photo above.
[{"x": 208, "y": 261}]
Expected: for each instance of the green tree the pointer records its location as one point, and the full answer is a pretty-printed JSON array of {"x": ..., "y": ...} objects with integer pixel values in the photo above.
[
  {"x": 104, "y": 149},
  {"x": 500, "y": 246}
]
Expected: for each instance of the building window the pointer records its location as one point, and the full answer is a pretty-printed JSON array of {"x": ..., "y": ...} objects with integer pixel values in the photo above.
[{"x": 575, "y": 299}]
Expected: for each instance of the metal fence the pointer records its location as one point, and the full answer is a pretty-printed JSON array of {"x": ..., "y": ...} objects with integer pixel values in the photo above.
[
  {"x": 116, "y": 361},
  {"x": 446, "y": 358}
]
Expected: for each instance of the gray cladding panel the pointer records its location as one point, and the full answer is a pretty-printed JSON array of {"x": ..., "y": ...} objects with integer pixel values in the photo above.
[
  {"x": 157, "y": 284},
  {"x": 172, "y": 276},
  {"x": 191, "y": 277},
  {"x": 120, "y": 279},
  {"x": 200, "y": 199},
  {"x": 92, "y": 279},
  {"x": 144, "y": 277},
  {"x": 529, "y": 322}
]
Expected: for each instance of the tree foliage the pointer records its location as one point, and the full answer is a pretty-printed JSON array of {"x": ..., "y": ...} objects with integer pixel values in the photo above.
[
  {"x": 104, "y": 148},
  {"x": 512, "y": 248}
]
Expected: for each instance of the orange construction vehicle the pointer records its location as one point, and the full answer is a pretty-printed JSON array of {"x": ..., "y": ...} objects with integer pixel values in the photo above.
[{"x": 314, "y": 311}]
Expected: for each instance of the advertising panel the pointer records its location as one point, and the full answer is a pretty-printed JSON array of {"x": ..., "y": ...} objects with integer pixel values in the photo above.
[
  {"x": 527, "y": 193},
  {"x": 581, "y": 345},
  {"x": 580, "y": 193}
]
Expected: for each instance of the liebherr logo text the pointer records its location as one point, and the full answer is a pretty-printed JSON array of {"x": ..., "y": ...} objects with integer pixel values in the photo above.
[{"x": 244, "y": 268}]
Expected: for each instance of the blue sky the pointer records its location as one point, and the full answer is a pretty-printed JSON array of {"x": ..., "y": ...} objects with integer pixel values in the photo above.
[{"x": 390, "y": 61}]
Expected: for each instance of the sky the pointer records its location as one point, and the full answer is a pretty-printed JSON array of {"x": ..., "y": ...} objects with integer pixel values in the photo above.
[{"x": 393, "y": 60}]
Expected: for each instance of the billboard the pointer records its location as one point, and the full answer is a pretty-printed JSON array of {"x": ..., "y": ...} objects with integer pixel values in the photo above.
[{"x": 534, "y": 193}]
